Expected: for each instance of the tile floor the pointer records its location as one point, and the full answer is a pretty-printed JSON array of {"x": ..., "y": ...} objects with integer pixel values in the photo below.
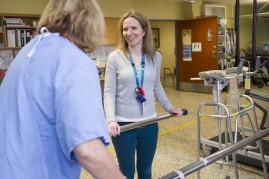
[{"x": 177, "y": 146}]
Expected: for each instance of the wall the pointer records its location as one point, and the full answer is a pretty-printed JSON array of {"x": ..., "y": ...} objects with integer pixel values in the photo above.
[
  {"x": 197, "y": 10},
  {"x": 114, "y": 8},
  {"x": 263, "y": 25},
  {"x": 22, "y": 6},
  {"x": 230, "y": 16},
  {"x": 37, "y": 6},
  {"x": 155, "y": 10},
  {"x": 167, "y": 42},
  {"x": 246, "y": 34},
  {"x": 152, "y": 8},
  {"x": 165, "y": 21},
  {"x": 262, "y": 28}
]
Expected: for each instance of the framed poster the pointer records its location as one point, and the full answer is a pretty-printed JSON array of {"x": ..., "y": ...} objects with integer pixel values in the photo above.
[{"x": 156, "y": 37}]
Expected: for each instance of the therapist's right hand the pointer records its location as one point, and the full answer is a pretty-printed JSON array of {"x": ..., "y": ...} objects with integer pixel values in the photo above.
[{"x": 113, "y": 128}]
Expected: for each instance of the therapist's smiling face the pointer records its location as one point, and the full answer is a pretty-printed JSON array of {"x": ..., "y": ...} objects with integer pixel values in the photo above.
[{"x": 133, "y": 32}]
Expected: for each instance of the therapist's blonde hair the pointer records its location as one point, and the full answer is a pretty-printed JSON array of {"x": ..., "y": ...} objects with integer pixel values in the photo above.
[{"x": 81, "y": 21}]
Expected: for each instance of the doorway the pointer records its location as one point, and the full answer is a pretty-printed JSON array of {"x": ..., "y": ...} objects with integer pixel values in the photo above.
[{"x": 197, "y": 51}]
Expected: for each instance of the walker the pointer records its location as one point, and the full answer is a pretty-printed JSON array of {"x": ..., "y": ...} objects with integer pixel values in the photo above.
[{"x": 218, "y": 79}]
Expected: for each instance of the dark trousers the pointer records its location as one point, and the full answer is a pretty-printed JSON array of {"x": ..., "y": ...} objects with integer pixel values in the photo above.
[{"x": 143, "y": 141}]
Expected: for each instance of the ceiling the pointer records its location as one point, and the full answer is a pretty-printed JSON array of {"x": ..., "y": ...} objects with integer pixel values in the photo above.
[{"x": 242, "y": 2}]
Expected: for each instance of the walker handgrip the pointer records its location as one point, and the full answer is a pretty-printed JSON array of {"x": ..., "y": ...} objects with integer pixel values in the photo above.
[{"x": 240, "y": 66}]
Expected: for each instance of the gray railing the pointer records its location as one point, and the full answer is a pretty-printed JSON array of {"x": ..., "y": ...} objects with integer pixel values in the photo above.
[
  {"x": 144, "y": 123},
  {"x": 149, "y": 121},
  {"x": 187, "y": 170}
]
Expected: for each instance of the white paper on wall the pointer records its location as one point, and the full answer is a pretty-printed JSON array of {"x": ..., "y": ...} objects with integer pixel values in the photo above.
[
  {"x": 6, "y": 57},
  {"x": 99, "y": 56}
]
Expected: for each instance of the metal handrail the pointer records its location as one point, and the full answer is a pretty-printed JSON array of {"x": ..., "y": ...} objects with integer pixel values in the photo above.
[
  {"x": 144, "y": 123},
  {"x": 149, "y": 121},
  {"x": 187, "y": 170}
]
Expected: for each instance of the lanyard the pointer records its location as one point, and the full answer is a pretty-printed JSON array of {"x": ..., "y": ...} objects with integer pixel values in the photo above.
[{"x": 135, "y": 71}]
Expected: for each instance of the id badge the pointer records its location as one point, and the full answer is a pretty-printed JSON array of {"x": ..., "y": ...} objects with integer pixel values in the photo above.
[{"x": 140, "y": 99}]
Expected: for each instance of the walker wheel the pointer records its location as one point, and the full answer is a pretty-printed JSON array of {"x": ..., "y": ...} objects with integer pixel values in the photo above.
[
  {"x": 241, "y": 84},
  {"x": 239, "y": 132},
  {"x": 259, "y": 84}
]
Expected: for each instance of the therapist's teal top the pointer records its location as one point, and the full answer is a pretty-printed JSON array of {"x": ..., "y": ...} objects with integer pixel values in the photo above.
[{"x": 50, "y": 102}]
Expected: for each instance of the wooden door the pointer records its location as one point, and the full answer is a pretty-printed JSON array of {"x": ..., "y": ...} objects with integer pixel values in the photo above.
[{"x": 203, "y": 36}]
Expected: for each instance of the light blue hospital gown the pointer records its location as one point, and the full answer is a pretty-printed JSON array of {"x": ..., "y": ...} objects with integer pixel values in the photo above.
[{"x": 50, "y": 101}]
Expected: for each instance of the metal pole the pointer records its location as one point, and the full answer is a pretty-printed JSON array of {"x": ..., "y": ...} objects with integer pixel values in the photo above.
[
  {"x": 143, "y": 123},
  {"x": 254, "y": 25},
  {"x": 181, "y": 173},
  {"x": 237, "y": 28},
  {"x": 149, "y": 121}
]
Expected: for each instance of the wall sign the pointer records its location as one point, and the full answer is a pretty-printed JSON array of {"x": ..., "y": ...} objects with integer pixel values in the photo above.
[
  {"x": 197, "y": 47},
  {"x": 186, "y": 40},
  {"x": 209, "y": 35}
]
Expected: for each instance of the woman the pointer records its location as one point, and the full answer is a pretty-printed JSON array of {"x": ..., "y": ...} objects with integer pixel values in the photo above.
[
  {"x": 51, "y": 114},
  {"x": 131, "y": 84}
]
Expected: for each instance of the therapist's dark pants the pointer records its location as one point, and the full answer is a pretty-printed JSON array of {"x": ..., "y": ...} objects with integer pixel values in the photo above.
[{"x": 141, "y": 140}]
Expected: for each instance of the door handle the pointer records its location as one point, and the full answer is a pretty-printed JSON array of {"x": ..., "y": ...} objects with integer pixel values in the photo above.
[{"x": 214, "y": 52}]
